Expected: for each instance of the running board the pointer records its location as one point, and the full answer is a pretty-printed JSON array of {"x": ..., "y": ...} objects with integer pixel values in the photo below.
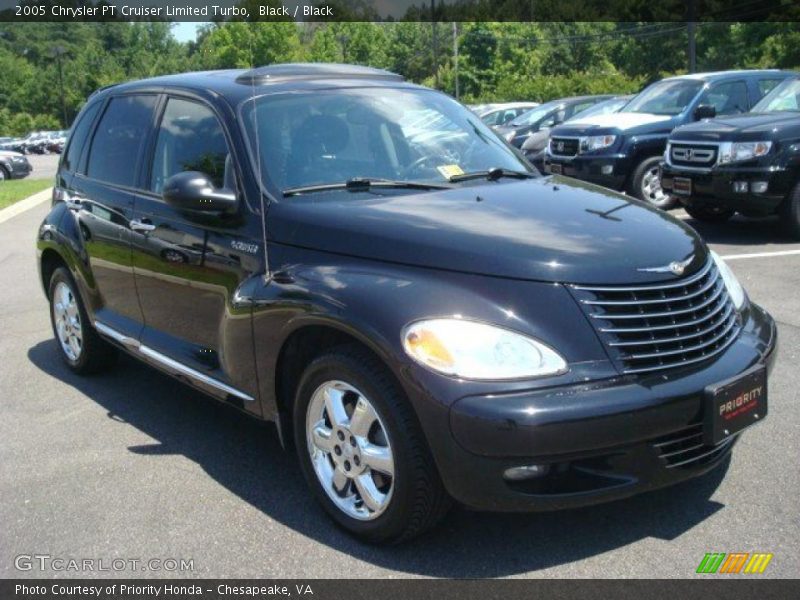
[{"x": 168, "y": 363}]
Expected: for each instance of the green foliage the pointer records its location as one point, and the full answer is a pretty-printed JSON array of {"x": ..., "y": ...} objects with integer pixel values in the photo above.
[{"x": 497, "y": 61}]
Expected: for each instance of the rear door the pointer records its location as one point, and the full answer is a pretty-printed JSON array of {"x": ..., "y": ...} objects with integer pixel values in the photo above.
[
  {"x": 189, "y": 266},
  {"x": 101, "y": 195}
]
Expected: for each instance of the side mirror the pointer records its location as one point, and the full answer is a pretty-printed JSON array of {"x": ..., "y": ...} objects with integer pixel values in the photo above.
[
  {"x": 192, "y": 190},
  {"x": 704, "y": 111}
]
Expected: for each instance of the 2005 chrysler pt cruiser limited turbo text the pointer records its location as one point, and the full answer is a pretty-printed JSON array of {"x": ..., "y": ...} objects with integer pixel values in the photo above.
[{"x": 425, "y": 318}]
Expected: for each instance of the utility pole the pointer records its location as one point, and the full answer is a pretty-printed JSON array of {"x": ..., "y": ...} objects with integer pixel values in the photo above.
[
  {"x": 691, "y": 32},
  {"x": 435, "y": 44},
  {"x": 58, "y": 51},
  {"x": 455, "y": 57}
]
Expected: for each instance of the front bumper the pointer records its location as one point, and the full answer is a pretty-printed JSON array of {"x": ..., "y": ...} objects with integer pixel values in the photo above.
[
  {"x": 608, "y": 170},
  {"x": 715, "y": 187},
  {"x": 598, "y": 441}
]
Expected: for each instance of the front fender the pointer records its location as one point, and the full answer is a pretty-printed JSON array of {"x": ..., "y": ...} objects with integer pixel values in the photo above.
[{"x": 373, "y": 301}]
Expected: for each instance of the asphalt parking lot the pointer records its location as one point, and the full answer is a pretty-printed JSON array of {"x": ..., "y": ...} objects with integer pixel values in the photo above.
[
  {"x": 44, "y": 165},
  {"x": 133, "y": 465}
]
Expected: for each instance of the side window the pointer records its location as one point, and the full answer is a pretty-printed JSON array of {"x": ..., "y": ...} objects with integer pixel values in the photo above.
[
  {"x": 728, "y": 98},
  {"x": 119, "y": 138},
  {"x": 765, "y": 86},
  {"x": 575, "y": 109},
  {"x": 190, "y": 139},
  {"x": 77, "y": 136}
]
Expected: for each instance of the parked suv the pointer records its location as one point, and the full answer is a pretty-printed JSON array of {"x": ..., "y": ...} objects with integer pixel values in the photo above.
[
  {"x": 622, "y": 151},
  {"x": 422, "y": 316},
  {"x": 545, "y": 116},
  {"x": 746, "y": 163}
]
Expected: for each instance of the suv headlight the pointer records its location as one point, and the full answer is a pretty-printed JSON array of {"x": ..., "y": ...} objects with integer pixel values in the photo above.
[
  {"x": 475, "y": 350},
  {"x": 735, "y": 288},
  {"x": 738, "y": 151},
  {"x": 19, "y": 159},
  {"x": 597, "y": 142}
]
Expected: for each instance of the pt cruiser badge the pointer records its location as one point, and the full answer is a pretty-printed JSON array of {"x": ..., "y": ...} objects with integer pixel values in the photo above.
[{"x": 675, "y": 267}]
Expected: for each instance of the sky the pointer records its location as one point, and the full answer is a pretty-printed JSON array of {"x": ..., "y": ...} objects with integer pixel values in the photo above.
[{"x": 186, "y": 31}]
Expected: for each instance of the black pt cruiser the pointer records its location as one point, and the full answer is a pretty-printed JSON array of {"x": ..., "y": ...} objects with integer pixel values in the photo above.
[
  {"x": 748, "y": 163},
  {"x": 365, "y": 263}
]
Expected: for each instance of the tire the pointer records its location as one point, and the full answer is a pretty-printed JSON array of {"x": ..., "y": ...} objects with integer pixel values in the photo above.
[
  {"x": 709, "y": 214},
  {"x": 79, "y": 345},
  {"x": 790, "y": 213},
  {"x": 337, "y": 467},
  {"x": 645, "y": 185},
  {"x": 4, "y": 174}
]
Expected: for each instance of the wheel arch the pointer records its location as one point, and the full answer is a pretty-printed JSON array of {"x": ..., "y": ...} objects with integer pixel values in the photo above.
[{"x": 305, "y": 340}]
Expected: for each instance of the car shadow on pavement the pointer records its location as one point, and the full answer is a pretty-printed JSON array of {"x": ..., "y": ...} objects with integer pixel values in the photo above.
[
  {"x": 244, "y": 456},
  {"x": 742, "y": 231}
]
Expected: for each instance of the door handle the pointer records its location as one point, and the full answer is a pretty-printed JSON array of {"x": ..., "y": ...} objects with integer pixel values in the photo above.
[{"x": 142, "y": 226}]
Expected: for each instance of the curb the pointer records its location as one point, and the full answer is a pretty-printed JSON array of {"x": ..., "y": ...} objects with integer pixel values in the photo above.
[{"x": 26, "y": 204}]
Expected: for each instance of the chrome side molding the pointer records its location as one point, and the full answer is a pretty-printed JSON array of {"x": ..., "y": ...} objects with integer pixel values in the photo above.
[{"x": 169, "y": 363}]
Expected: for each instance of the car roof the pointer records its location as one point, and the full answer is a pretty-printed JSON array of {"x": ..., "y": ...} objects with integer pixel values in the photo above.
[
  {"x": 716, "y": 75},
  {"x": 240, "y": 84}
]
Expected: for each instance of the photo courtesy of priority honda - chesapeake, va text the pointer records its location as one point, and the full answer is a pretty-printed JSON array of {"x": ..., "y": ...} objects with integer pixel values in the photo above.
[{"x": 424, "y": 316}]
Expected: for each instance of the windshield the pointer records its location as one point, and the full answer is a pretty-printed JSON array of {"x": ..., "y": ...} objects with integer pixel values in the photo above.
[
  {"x": 535, "y": 115},
  {"x": 333, "y": 136},
  {"x": 785, "y": 97},
  {"x": 669, "y": 97},
  {"x": 601, "y": 108}
]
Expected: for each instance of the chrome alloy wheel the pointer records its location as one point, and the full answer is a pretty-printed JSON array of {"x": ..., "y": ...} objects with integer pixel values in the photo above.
[
  {"x": 651, "y": 187},
  {"x": 68, "y": 321},
  {"x": 350, "y": 450}
]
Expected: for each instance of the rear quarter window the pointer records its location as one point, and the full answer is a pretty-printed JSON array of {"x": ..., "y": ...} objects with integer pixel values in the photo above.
[
  {"x": 119, "y": 139},
  {"x": 77, "y": 136}
]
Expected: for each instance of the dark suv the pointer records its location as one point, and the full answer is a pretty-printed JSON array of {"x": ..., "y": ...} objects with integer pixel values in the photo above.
[
  {"x": 545, "y": 116},
  {"x": 622, "y": 151},
  {"x": 363, "y": 262},
  {"x": 746, "y": 163}
]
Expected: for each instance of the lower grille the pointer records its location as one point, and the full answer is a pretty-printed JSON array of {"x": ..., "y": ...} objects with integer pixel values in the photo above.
[
  {"x": 686, "y": 448},
  {"x": 564, "y": 146},
  {"x": 662, "y": 326}
]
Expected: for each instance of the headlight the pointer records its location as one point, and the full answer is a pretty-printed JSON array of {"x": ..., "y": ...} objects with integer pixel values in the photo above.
[
  {"x": 19, "y": 159},
  {"x": 474, "y": 350},
  {"x": 597, "y": 142},
  {"x": 735, "y": 288},
  {"x": 738, "y": 151}
]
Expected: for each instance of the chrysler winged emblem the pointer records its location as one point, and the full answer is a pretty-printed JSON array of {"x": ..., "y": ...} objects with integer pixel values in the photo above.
[
  {"x": 675, "y": 267},
  {"x": 560, "y": 146}
]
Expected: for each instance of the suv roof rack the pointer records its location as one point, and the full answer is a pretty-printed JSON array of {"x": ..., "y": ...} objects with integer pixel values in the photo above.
[{"x": 287, "y": 71}]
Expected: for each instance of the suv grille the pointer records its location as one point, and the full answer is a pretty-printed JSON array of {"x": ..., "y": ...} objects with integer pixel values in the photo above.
[
  {"x": 688, "y": 155},
  {"x": 564, "y": 146},
  {"x": 686, "y": 448},
  {"x": 662, "y": 326}
]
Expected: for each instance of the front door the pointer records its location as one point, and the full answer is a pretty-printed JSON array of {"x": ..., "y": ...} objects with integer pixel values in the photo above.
[{"x": 188, "y": 266}]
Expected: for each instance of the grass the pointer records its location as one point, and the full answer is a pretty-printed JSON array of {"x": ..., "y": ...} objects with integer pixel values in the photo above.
[{"x": 14, "y": 190}]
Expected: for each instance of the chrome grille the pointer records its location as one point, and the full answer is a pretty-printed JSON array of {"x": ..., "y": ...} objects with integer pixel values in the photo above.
[
  {"x": 692, "y": 155},
  {"x": 686, "y": 448},
  {"x": 564, "y": 146},
  {"x": 662, "y": 326}
]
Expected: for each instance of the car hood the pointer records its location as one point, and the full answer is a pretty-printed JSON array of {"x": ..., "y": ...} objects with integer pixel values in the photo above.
[
  {"x": 621, "y": 122},
  {"x": 551, "y": 229},
  {"x": 743, "y": 127}
]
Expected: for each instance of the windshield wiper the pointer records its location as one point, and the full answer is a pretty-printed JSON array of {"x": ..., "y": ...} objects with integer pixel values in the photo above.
[
  {"x": 494, "y": 174},
  {"x": 358, "y": 184}
]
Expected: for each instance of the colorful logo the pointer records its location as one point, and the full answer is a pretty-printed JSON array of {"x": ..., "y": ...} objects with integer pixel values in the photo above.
[{"x": 734, "y": 563}]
